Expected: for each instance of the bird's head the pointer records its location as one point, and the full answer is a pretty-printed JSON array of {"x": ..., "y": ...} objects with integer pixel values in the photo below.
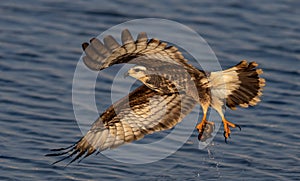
[{"x": 138, "y": 72}]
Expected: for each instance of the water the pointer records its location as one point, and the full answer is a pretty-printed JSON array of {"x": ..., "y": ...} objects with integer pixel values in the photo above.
[{"x": 40, "y": 47}]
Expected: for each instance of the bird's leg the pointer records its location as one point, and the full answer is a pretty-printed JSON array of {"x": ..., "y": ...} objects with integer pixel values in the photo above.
[
  {"x": 227, "y": 131},
  {"x": 200, "y": 127},
  {"x": 205, "y": 128}
]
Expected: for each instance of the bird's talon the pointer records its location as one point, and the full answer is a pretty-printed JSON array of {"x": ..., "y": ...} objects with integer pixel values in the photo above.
[
  {"x": 199, "y": 136},
  {"x": 227, "y": 131},
  {"x": 205, "y": 129}
]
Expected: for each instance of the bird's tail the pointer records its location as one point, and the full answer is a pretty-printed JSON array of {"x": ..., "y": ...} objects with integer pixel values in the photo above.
[{"x": 239, "y": 85}]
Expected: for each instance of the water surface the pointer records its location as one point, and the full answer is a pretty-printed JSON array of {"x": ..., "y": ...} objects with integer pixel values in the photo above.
[{"x": 41, "y": 44}]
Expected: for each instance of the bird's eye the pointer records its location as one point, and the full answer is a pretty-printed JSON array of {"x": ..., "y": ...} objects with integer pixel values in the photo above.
[{"x": 137, "y": 70}]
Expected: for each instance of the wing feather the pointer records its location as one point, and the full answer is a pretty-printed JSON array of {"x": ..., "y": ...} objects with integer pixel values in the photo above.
[
  {"x": 99, "y": 56},
  {"x": 122, "y": 123},
  {"x": 110, "y": 43},
  {"x": 126, "y": 37}
]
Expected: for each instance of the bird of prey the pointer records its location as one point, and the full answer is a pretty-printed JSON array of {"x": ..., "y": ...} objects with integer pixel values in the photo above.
[{"x": 171, "y": 88}]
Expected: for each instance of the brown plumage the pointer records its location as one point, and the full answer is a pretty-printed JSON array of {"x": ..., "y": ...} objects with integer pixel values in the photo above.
[{"x": 171, "y": 89}]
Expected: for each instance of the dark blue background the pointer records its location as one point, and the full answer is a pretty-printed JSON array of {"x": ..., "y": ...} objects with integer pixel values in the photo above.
[{"x": 40, "y": 45}]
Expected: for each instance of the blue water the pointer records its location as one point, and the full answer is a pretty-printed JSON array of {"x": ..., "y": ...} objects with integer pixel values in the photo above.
[{"x": 41, "y": 43}]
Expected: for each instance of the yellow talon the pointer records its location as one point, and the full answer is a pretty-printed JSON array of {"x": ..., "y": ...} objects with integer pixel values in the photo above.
[
  {"x": 200, "y": 127},
  {"x": 205, "y": 128},
  {"x": 227, "y": 131}
]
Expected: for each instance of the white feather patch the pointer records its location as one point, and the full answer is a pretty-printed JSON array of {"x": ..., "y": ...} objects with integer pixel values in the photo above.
[{"x": 222, "y": 84}]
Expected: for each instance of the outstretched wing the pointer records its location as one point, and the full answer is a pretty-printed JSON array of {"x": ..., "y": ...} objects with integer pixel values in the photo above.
[
  {"x": 166, "y": 64},
  {"x": 142, "y": 112},
  {"x": 149, "y": 53}
]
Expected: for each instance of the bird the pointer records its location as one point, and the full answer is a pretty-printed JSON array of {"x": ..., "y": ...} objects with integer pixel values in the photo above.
[{"x": 171, "y": 88}]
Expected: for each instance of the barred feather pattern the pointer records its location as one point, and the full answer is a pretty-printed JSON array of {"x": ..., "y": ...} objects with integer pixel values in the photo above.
[
  {"x": 99, "y": 56},
  {"x": 142, "y": 112},
  {"x": 239, "y": 85},
  {"x": 161, "y": 60}
]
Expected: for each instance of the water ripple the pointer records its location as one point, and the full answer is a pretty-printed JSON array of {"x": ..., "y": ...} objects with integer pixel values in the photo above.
[{"x": 40, "y": 48}]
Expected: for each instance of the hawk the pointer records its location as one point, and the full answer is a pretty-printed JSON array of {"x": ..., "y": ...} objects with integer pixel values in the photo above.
[{"x": 171, "y": 88}]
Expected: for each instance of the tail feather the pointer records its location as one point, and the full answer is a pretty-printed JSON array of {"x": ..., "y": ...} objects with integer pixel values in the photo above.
[{"x": 240, "y": 85}]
